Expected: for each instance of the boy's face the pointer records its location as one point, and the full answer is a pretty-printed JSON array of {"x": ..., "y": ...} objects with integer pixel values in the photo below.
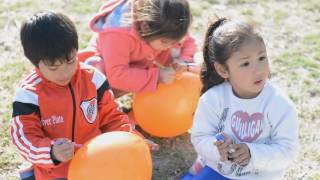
[{"x": 60, "y": 72}]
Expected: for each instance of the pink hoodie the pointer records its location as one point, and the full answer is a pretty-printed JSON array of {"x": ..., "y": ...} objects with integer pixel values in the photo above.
[{"x": 128, "y": 59}]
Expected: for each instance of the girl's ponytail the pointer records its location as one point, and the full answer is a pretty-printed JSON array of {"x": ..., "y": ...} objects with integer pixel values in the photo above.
[{"x": 209, "y": 76}]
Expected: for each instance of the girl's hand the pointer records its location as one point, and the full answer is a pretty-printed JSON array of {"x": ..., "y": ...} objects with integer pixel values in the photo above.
[
  {"x": 63, "y": 149},
  {"x": 181, "y": 68},
  {"x": 240, "y": 154},
  {"x": 187, "y": 66},
  {"x": 153, "y": 146},
  {"x": 178, "y": 66},
  {"x": 223, "y": 147},
  {"x": 167, "y": 75}
]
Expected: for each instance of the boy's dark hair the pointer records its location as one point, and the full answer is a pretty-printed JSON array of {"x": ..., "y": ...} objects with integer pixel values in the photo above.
[
  {"x": 223, "y": 38},
  {"x": 48, "y": 36},
  {"x": 164, "y": 19}
]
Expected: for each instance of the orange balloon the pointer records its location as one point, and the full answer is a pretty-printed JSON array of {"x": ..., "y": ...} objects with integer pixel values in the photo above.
[
  {"x": 115, "y": 155},
  {"x": 168, "y": 111}
]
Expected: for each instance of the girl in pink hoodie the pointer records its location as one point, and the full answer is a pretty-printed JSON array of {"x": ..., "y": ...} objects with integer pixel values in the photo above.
[{"x": 138, "y": 40}]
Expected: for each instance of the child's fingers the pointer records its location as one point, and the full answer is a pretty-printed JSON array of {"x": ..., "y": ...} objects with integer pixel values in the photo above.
[
  {"x": 223, "y": 150},
  {"x": 227, "y": 139},
  {"x": 67, "y": 153},
  {"x": 223, "y": 155},
  {"x": 235, "y": 152},
  {"x": 60, "y": 141},
  {"x": 64, "y": 145},
  {"x": 64, "y": 152},
  {"x": 242, "y": 159},
  {"x": 180, "y": 68},
  {"x": 218, "y": 143},
  {"x": 241, "y": 152},
  {"x": 65, "y": 148},
  {"x": 245, "y": 162},
  {"x": 231, "y": 149},
  {"x": 66, "y": 156},
  {"x": 221, "y": 145},
  {"x": 237, "y": 155}
]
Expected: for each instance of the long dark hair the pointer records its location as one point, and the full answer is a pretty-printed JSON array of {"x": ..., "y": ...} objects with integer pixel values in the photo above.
[
  {"x": 223, "y": 38},
  {"x": 164, "y": 19}
]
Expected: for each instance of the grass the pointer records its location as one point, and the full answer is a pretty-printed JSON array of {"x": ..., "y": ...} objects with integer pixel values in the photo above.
[
  {"x": 312, "y": 5},
  {"x": 279, "y": 15},
  {"x": 11, "y": 73},
  {"x": 291, "y": 29},
  {"x": 247, "y": 12}
]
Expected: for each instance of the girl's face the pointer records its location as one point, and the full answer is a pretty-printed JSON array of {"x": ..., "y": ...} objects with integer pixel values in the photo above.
[
  {"x": 162, "y": 44},
  {"x": 61, "y": 72},
  {"x": 248, "y": 69}
]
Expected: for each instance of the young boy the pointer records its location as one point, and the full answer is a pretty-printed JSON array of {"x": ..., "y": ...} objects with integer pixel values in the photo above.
[{"x": 63, "y": 103}]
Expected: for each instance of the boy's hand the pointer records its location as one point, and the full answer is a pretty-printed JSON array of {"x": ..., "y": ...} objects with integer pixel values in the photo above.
[
  {"x": 223, "y": 147},
  {"x": 153, "y": 146},
  {"x": 240, "y": 154},
  {"x": 167, "y": 75},
  {"x": 63, "y": 149}
]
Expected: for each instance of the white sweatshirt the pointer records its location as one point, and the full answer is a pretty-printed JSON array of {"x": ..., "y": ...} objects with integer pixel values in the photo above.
[{"x": 268, "y": 124}]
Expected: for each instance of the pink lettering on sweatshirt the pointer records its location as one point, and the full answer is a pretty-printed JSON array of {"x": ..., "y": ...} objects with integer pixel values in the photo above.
[{"x": 245, "y": 127}]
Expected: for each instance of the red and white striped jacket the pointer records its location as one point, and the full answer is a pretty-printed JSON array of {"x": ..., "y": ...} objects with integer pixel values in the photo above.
[{"x": 44, "y": 111}]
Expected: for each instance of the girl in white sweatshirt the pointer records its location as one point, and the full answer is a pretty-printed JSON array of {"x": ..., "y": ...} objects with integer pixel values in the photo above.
[{"x": 258, "y": 122}]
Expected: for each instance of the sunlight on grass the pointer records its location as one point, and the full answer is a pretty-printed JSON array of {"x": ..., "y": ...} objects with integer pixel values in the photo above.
[
  {"x": 83, "y": 6},
  {"x": 279, "y": 15},
  {"x": 247, "y": 12},
  {"x": 316, "y": 176},
  {"x": 205, "y": 5},
  {"x": 9, "y": 160},
  {"x": 311, "y": 5},
  {"x": 313, "y": 42},
  {"x": 232, "y": 2},
  {"x": 313, "y": 39},
  {"x": 296, "y": 59},
  {"x": 11, "y": 10},
  {"x": 18, "y": 5},
  {"x": 196, "y": 11},
  {"x": 12, "y": 73},
  {"x": 213, "y": 1}
]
